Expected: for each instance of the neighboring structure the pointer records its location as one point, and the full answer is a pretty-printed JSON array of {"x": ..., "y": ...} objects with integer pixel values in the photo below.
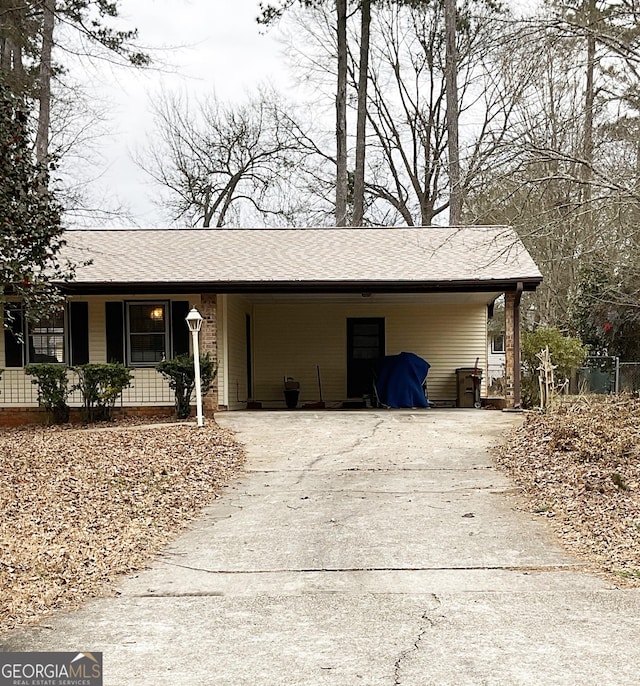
[
  {"x": 281, "y": 303},
  {"x": 496, "y": 351}
]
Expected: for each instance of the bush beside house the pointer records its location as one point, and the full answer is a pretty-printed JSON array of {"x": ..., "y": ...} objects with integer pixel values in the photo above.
[{"x": 180, "y": 374}]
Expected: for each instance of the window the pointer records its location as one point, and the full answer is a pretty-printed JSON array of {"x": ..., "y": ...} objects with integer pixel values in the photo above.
[
  {"x": 147, "y": 333},
  {"x": 497, "y": 343},
  {"x": 42, "y": 341},
  {"x": 61, "y": 338},
  {"x": 46, "y": 339}
]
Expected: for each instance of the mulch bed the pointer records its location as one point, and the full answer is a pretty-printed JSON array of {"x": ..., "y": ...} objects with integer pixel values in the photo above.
[
  {"x": 580, "y": 467},
  {"x": 82, "y": 506}
]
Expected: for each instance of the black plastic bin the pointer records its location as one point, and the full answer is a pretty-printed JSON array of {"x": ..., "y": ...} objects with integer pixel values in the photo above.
[
  {"x": 291, "y": 393},
  {"x": 468, "y": 382}
]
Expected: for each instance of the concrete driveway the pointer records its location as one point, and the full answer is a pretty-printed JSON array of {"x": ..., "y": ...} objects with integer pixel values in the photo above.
[{"x": 370, "y": 547}]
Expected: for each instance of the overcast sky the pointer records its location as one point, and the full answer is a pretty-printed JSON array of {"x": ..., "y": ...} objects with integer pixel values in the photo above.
[{"x": 200, "y": 45}]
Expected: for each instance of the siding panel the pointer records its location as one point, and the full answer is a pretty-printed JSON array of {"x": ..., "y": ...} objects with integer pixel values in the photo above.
[{"x": 290, "y": 340}]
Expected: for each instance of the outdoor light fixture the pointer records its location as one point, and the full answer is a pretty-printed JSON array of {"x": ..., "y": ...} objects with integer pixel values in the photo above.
[{"x": 194, "y": 322}]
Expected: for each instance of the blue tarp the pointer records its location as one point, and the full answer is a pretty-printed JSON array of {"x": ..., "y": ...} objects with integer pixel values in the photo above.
[{"x": 400, "y": 380}]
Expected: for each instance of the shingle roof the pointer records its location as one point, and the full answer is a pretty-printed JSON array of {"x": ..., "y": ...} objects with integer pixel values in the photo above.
[{"x": 443, "y": 255}]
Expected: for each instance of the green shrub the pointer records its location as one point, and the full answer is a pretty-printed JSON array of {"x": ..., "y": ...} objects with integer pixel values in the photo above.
[
  {"x": 180, "y": 374},
  {"x": 52, "y": 381},
  {"x": 567, "y": 354},
  {"x": 101, "y": 385}
]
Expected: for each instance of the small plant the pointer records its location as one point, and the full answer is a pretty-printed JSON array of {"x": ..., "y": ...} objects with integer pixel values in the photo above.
[
  {"x": 180, "y": 374},
  {"x": 101, "y": 385},
  {"x": 619, "y": 480},
  {"x": 53, "y": 389},
  {"x": 628, "y": 573}
]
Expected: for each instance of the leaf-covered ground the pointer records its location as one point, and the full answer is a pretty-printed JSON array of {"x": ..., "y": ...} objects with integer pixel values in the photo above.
[
  {"x": 79, "y": 507},
  {"x": 580, "y": 466}
]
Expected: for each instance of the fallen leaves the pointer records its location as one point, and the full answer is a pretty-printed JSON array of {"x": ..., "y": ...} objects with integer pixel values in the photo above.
[
  {"x": 580, "y": 465},
  {"x": 82, "y": 506}
]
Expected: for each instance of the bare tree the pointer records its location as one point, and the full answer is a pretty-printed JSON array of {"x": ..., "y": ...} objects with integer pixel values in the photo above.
[
  {"x": 451, "y": 87},
  {"x": 342, "y": 187},
  {"x": 222, "y": 164},
  {"x": 410, "y": 150},
  {"x": 566, "y": 173},
  {"x": 361, "y": 124},
  {"x": 535, "y": 179}
]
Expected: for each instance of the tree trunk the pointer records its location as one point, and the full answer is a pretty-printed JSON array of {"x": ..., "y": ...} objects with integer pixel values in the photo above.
[
  {"x": 44, "y": 114},
  {"x": 11, "y": 64},
  {"x": 341, "y": 116},
  {"x": 589, "y": 100},
  {"x": 451, "y": 86},
  {"x": 361, "y": 126}
]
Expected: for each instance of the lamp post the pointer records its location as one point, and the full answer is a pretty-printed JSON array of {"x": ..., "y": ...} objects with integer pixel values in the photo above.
[{"x": 194, "y": 322}]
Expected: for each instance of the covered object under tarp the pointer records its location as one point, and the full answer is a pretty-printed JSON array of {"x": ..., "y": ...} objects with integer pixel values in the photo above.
[{"x": 400, "y": 381}]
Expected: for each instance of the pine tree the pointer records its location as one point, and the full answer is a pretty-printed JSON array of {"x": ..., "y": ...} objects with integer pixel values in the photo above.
[{"x": 30, "y": 217}]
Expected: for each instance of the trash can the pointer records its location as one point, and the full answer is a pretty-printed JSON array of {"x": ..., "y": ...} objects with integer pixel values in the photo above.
[
  {"x": 291, "y": 392},
  {"x": 468, "y": 381}
]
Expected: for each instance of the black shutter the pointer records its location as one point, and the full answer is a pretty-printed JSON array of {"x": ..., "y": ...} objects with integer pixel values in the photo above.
[
  {"x": 14, "y": 337},
  {"x": 114, "y": 324},
  {"x": 79, "y": 333},
  {"x": 179, "y": 328}
]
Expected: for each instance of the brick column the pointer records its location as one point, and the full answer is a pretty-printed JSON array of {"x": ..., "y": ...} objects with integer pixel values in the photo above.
[
  {"x": 209, "y": 344},
  {"x": 509, "y": 361},
  {"x": 512, "y": 367}
]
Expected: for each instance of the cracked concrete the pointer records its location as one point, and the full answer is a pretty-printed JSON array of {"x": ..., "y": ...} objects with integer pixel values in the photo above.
[
  {"x": 427, "y": 623},
  {"x": 373, "y": 548}
]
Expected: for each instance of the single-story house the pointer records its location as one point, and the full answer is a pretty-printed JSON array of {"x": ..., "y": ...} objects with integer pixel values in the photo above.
[{"x": 280, "y": 303}]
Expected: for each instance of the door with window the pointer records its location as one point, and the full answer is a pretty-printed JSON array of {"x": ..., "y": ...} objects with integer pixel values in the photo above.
[{"x": 365, "y": 346}]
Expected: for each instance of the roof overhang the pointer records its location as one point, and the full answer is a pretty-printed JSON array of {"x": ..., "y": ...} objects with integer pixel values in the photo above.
[{"x": 181, "y": 287}]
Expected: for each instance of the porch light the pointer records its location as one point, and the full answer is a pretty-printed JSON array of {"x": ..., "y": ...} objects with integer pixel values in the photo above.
[{"x": 194, "y": 322}]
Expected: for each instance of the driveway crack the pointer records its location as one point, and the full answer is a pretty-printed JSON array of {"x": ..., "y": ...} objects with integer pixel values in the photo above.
[
  {"x": 345, "y": 451},
  {"x": 427, "y": 622}
]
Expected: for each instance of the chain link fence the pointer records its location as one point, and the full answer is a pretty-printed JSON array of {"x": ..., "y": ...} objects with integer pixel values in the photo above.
[
  {"x": 609, "y": 375},
  {"x": 629, "y": 377}
]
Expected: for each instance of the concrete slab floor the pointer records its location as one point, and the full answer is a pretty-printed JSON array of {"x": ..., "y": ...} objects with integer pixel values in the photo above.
[{"x": 363, "y": 547}]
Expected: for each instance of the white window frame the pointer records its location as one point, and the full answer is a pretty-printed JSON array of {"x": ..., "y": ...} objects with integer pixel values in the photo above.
[
  {"x": 494, "y": 349},
  {"x": 65, "y": 347},
  {"x": 167, "y": 313},
  {"x": 28, "y": 333}
]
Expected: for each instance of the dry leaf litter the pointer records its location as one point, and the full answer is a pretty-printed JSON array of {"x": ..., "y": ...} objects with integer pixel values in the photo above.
[
  {"x": 580, "y": 467},
  {"x": 82, "y": 506}
]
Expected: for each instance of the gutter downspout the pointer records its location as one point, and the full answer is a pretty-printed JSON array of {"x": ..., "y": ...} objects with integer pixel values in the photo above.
[{"x": 517, "y": 367}]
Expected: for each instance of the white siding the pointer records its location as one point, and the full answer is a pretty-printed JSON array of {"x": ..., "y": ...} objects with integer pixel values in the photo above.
[{"x": 290, "y": 340}]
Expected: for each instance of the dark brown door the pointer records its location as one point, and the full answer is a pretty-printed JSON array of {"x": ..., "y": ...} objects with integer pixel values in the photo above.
[{"x": 365, "y": 346}]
